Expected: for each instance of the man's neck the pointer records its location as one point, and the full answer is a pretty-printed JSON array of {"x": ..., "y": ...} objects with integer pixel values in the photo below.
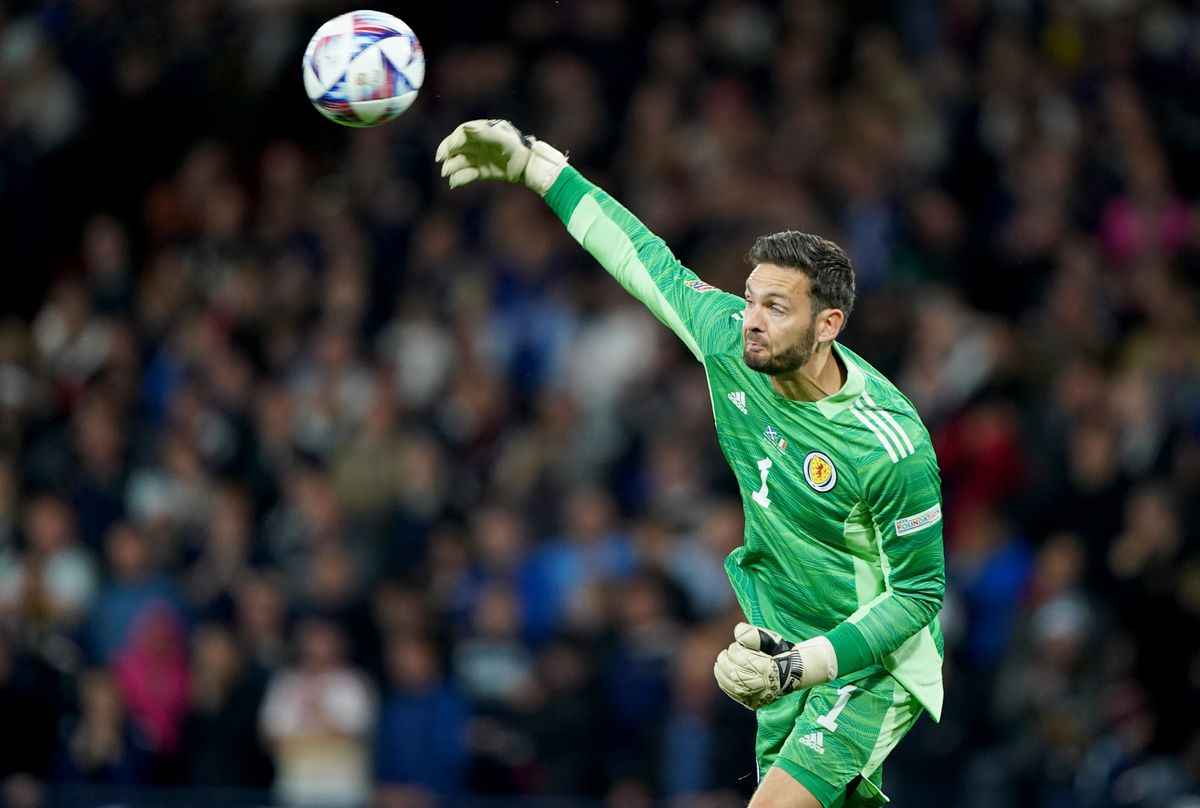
[{"x": 820, "y": 377}]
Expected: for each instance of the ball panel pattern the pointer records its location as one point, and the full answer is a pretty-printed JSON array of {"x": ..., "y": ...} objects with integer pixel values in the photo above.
[{"x": 363, "y": 68}]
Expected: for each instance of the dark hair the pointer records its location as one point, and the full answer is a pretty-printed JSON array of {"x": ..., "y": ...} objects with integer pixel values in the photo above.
[{"x": 827, "y": 266}]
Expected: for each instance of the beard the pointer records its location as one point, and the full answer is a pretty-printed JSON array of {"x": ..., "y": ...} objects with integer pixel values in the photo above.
[{"x": 790, "y": 359}]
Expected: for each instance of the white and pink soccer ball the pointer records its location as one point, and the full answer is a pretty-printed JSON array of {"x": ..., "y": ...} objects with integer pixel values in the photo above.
[{"x": 363, "y": 68}]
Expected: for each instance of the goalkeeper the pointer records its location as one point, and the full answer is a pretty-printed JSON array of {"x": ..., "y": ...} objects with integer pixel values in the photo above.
[{"x": 841, "y": 574}]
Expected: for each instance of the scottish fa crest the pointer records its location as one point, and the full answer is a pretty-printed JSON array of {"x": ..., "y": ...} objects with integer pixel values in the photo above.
[{"x": 819, "y": 472}]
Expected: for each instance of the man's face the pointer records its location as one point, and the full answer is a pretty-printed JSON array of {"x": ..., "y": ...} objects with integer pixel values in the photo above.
[{"x": 779, "y": 327}]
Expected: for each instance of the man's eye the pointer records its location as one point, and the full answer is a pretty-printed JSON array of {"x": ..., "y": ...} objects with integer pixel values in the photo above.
[{"x": 777, "y": 310}]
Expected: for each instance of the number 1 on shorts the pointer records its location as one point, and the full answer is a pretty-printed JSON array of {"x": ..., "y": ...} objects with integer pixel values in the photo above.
[{"x": 829, "y": 720}]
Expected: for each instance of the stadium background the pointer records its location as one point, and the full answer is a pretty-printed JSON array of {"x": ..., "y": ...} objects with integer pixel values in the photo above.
[{"x": 315, "y": 477}]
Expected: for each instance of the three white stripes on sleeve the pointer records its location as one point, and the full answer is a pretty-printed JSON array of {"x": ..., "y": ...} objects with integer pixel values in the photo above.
[{"x": 884, "y": 426}]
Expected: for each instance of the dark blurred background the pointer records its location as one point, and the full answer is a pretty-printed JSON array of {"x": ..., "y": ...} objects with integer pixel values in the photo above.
[{"x": 323, "y": 486}]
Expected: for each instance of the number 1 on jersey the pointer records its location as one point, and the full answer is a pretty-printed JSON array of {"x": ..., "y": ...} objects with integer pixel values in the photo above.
[{"x": 760, "y": 496}]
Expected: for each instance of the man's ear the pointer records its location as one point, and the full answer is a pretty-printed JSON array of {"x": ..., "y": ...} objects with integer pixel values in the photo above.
[{"x": 829, "y": 324}]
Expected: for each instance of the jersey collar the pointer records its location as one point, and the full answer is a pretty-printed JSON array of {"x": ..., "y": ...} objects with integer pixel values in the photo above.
[
  {"x": 833, "y": 404},
  {"x": 830, "y": 406}
]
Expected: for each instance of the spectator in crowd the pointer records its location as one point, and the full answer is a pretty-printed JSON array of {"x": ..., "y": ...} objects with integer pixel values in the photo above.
[
  {"x": 636, "y": 699},
  {"x": 421, "y": 748},
  {"x": 223, "y": 555},
  {"x": 699, "y": 754},
  {"x": 100, "y": 744},
  {"x": 52, "y": 585},
  {"x": 495, "y": 670},
  {"x": 317, "y": 718},
  {"x": 591, "y": 552},
  {"x": 260, "y": 614},
  {"x": 220, "y": 732},
  {"x": 28, "y": 736},
  {"x": 565, "y": 706},
  {"x": 151, "y": 672},
  {"x": 135, "y": 585}
]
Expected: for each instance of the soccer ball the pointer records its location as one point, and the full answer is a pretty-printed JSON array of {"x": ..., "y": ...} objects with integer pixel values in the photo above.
[{"x": 363, "y": 68}]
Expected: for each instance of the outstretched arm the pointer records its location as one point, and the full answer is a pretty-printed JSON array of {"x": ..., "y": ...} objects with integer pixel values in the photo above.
[{"x": 699, "y": 313}]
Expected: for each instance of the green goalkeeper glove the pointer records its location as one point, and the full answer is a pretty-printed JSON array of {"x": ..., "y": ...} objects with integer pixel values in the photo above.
[
  {"x": 760, "y": 666},
  {"x": 497, "y": 150}
]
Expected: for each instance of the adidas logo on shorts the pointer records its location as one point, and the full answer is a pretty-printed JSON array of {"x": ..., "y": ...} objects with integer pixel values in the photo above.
[{"x": 814, "y": 741}]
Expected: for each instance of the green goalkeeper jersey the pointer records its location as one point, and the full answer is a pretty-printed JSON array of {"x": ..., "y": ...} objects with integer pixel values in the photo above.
[{"x": 842, "y": 496}]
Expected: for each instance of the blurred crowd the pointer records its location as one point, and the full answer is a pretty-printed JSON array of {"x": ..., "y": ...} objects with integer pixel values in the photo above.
[{"x": 318, "y": 478}]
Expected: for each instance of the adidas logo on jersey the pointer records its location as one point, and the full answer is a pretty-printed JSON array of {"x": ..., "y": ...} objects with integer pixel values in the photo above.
[
  {"x": 814, "y": 741},
  {"x": 739, "y": 400}
]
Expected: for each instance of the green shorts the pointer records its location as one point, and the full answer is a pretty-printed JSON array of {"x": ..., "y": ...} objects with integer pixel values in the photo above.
[{"x": 833, "y": 738}]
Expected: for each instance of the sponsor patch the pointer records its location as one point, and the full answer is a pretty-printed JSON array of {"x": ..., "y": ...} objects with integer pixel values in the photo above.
[
  {"x": 819, "y": 471},
  {"x": 699, "y": 286},
  {"x": 920, "y": 521}
]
